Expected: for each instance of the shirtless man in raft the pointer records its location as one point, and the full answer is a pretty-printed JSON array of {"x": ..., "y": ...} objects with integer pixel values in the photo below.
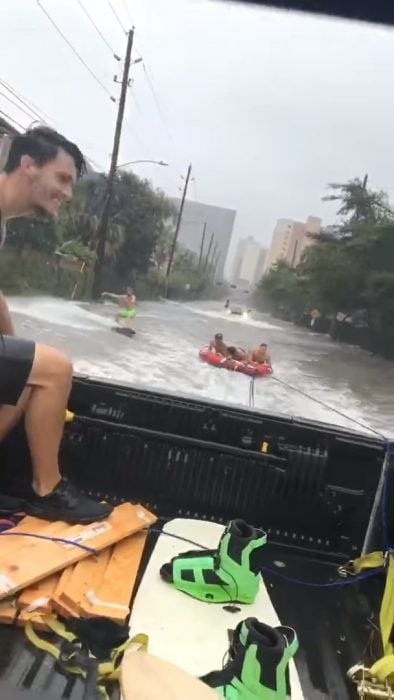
[
  {"x": 260, "y": 355},
  {"x": 218, "y": 345}
]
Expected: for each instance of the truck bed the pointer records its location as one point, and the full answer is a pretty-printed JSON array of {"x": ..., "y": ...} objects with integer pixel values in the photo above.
[{"x": 311, "y": 487}]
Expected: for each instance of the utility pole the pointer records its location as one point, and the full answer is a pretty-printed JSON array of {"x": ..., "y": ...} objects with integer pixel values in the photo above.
[
  {"x": 210, "y": 263},
  {"x": 177, "y": 226},
  {"x": 202, "y": 245},
  {"x": 104, "y": 221},
  {"x": 216, "y": 266},
  {"x": 209, "y": 250}
]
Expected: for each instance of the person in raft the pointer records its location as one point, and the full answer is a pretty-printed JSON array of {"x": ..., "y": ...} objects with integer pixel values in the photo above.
[
  {"x": 218, "y": 345},
  {"x": 238, "y": 354},
  {"x": 260, "y": 355}
]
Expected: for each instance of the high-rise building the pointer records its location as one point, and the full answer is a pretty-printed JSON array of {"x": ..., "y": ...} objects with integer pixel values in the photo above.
[
  {"x": 249, "y": 261},
  {"x": 290, "y": 239},
  {"x": 219, "y": 222}
]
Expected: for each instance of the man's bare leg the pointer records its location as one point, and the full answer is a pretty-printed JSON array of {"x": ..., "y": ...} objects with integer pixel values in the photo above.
[
  {"x": 43, "y": 403},
  {"x": 11, "y": 415},
  {"x": 50, "y": 379}
]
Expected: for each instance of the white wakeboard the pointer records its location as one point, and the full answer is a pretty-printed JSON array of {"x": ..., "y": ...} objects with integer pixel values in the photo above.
[{"x": 187, "y": 632}]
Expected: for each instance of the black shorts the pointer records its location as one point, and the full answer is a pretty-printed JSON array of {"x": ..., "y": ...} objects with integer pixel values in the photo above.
[{"x": 16, "y": 361}]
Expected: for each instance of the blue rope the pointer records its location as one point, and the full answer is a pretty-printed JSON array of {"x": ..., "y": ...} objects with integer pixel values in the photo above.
[
  {"x": 329, "y": 584},
  {"x": 60, "y": 540}
]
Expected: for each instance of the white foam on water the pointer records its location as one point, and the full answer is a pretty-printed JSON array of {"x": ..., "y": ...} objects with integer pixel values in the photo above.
[
  {"x": 224, "y": 316},
  {"x": 163, "y": 355},
  {"x": 59, "y": 312}
]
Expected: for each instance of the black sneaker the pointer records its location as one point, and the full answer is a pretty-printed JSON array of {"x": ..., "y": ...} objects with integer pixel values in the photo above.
[
  {"x": 67, "y": 504},
  {"x": 10, "y": 505}
]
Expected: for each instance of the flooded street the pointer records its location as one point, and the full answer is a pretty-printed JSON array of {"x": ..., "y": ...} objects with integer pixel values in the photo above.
[{"x": 163, "y": 355}]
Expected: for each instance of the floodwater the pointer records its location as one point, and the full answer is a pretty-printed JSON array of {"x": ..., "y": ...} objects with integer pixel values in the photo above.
[{"x": 163, "y": 355}]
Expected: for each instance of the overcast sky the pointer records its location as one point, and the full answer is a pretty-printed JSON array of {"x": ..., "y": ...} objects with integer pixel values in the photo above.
[{"x": 268, "y": 106}]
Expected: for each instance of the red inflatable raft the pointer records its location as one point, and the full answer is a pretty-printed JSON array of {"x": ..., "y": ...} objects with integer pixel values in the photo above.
[{"x": 252, "y": 370}]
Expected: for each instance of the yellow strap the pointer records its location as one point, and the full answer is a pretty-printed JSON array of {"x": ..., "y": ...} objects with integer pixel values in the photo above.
[
  {"x": 56, "y": 626},
  {"x": 368, "y": 561},
  {"x": 386, "y": 617},
  {"x": 383, "y": 668},
  {"x": 106, "y": 671},
  {"x": 39, "y": 642},
  {"x": 68, "y": 416}
]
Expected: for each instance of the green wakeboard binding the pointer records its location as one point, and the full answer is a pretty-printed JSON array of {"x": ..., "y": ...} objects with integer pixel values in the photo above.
[
  {"x": 257, "y": 668},
  {"x": 229, "y": 574}
]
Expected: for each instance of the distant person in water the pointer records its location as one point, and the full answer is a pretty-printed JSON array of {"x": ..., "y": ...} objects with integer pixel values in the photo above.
[
  {"x": 238, "y": 354},
  {"x": 218, "y": 345},
  {"x": 127, "y": 302},
  {"x": 227, "y": 304},
  {"x": 260, "y": 355}
]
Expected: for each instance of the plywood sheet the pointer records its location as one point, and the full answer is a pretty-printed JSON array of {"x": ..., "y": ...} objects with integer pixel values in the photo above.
[
  {"x": 38, "y": 596},
  {"x": 85, "y": 574},
  {"x": 11, "y": 543},
  {"x": 111, "y": 597},
  {"x": 35, "y": 558},
  {"x": 8, "y": 611}
]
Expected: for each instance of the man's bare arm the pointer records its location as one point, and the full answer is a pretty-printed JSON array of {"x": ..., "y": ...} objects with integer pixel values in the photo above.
[
  {"x": 6, "y": 325},
  {"x": 116, "y": 298}
]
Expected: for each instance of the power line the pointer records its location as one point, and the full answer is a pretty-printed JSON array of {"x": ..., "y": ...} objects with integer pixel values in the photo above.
[
  {"x": 74, "y": 50},
  {"x": 123, "y": 28},
  {"x": 11, "y": 119},
  {"x": 157, "y": 103},
  {"x": 29, "y": 114},
  {"x": 24, "y": 100},
  {"x": 99, "y": 32},
  {"x": 128, "y": 12},
  {"x": 135, "y": 135}
]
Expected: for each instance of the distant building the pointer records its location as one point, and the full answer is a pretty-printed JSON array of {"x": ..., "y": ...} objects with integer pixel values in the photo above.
[
  {"x": 219, "y": 222},
  {"x": 290, "y": 239},
  {"x": 249, "y": 262}
]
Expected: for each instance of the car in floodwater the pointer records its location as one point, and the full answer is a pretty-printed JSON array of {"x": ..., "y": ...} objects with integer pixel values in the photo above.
[{"x": 237, "y": 310}]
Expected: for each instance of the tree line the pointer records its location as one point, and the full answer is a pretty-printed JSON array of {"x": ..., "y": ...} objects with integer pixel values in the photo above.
[
  {"x": 58, "y": 256},
  {"x": 347, "y": 274}
]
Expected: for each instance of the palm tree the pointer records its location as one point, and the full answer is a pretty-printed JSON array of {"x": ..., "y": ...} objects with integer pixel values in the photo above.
[
  {"x": 79, "y": 222},
  {"x": 359, "y": 205}
]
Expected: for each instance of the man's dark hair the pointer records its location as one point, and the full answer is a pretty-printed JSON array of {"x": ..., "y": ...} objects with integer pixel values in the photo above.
[
  {"x": 263, "y": 345},
  {"x": 42, "y": 144},
  {"x": 219, "y": 336}
]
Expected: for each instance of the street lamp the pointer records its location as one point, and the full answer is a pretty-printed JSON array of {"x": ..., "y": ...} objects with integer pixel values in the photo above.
[{"x": 132, "y": 162}]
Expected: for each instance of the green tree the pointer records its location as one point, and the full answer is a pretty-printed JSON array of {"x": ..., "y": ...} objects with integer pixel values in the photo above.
[
  {"x": 282, "y": 290},
  {"x": 358, "y": 204},
  {"x": 33, "y": 233}
]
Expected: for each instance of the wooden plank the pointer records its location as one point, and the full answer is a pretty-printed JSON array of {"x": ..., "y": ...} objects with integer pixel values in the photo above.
[
  {"x": 38, "y": 596},
  {"x": 8, "y": 611},
  {"x": 86, "y": 573},
  {"x": 111, "y": 598},
  {"x": 10, "y": 543},
  {"x": 37, "y": 558},
  {"x": 55, "y": 602},
  {"x": 36, "y": 618}
]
